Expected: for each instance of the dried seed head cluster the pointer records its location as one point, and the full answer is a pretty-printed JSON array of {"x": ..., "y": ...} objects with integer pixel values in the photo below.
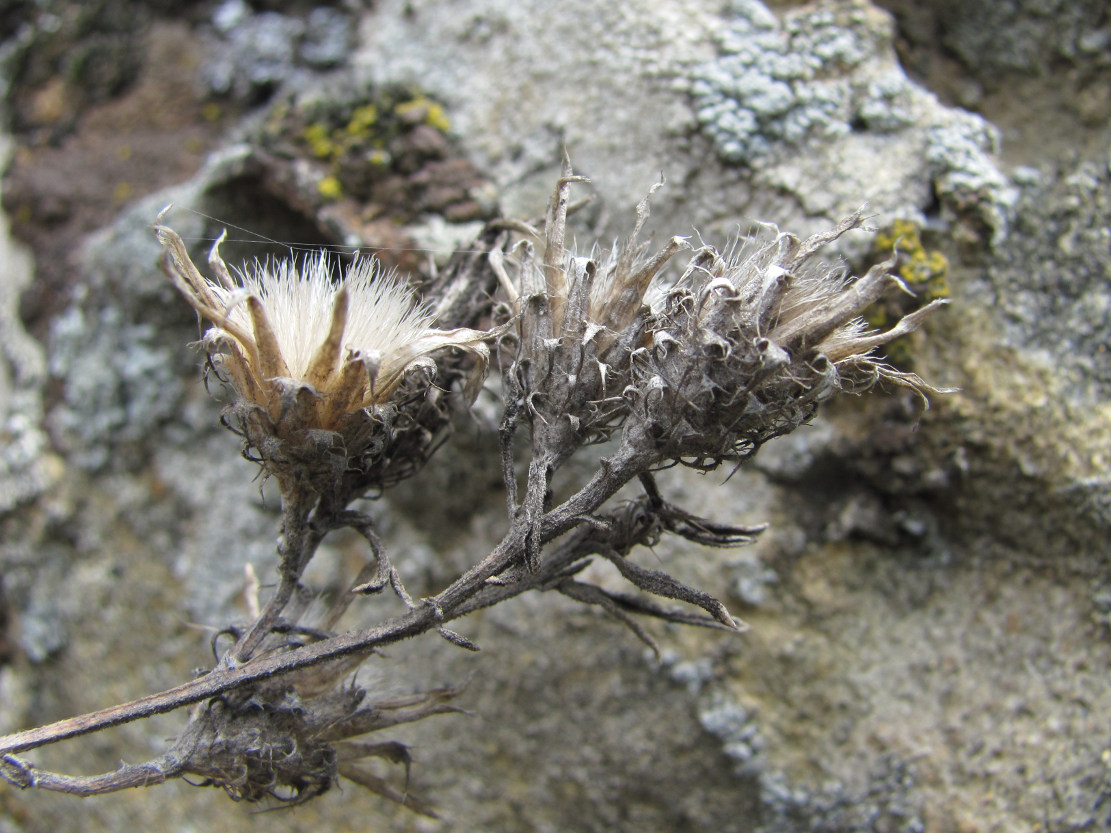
[
  {"x": 700, "y": 368},
  {"x": 743, "y": 348},
  {"x": 319, "y": 367},
  {"x": 697, "y": 366},
  {"x": 282, "y": 747},
  {"x": 297, "y": 735},
  {"x": 580, "y": 318}
]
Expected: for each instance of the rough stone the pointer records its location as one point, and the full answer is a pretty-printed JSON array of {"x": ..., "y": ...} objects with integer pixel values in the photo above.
[
  {"x": 24, "y": 452},
  {"x": 928, "y": 611},
  {"x": 254, "y": 53},
  {"x": 823, "y": 82}
]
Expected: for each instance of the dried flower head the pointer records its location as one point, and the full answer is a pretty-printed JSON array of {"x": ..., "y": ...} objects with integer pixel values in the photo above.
[
  {"x": 701, "y": 367},
  {"x": 580, "y": 318},
  {"x": 742, "y": 348},
  {"x": 298, "y": 734},
  {"x": 309, "y": 357}
]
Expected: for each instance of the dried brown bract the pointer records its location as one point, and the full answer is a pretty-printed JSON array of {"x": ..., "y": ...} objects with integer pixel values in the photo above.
[
  {"x": 323, "y": 371},
  {"x": 743, "y": 348},
  {"x": 580, "y": 319}
]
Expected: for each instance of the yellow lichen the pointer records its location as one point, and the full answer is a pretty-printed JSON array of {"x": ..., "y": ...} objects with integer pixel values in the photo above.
[
  {"x": 432, "y": 113},
  {"x": 928, "y": 271},
  {"x": 437, "y": 117},
  {"x": 362, "y": 120},
  {"x": 355, "y": 143},
  {"x": 924, "y": 271},
  {"x": 320, "y": 143},
  {"x": 330, "y": 188},
  {"x": 902, "y": 234}
]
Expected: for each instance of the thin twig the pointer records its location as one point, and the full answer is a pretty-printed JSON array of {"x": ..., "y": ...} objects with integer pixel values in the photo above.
[{"x": 614, "y": 474}]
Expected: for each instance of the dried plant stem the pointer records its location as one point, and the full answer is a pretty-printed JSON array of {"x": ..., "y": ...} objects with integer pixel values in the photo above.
[
  {"x": 297, "y": 544},
  {"x": 614, "y": 472},
  {"x": 430, "y": 615},
  {"x": 222, "y": 680},
  {"x": 146, "y": 774}
]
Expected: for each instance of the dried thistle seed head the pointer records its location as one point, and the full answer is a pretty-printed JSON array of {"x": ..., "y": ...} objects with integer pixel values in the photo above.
[
  {"x": 625, "y": 278},
  {"x": 580, "y": 318},
  {"x": 808, "y": 307},
  {"x": 601, "y": 291},
  {"x": 324, "y": 371},
  {"x": 282, "y": 332},
  {"x": 744, "y": 347}
]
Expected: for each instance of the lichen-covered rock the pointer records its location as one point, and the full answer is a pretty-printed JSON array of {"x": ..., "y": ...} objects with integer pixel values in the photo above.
[
  {"x": 778, "y": 87},
  {"x": 929, "y": 609},
  {"x": 1019, "y": 37},
  {"x": 1052, "y": 277},
  {"x": 24, "y": 451},
  {"x": 252, "y": 53},
  {"x": 789, "y": 98}
]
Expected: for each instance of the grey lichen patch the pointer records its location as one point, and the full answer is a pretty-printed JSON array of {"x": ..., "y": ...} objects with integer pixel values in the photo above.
[
  {"x": 779, "y": 85},
  {"x": 252, "y": 53},
  {"x": 738, "y": 731},
  {"x": 210, "y": 583},
  {"x": 118, "y": 379},
  {"x": 888, "y": 800},
  {"x": 24, "y": 466},
  {"x": 960, "y": 151},
  {"x": 805, "y": 95},
  {"x": 1053, "y": 277}
]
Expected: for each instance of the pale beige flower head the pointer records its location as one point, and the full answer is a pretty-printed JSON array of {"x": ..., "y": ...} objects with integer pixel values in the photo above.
[
  {"x": 598, "y": 296},
  {"x": 305, "y": 349}
]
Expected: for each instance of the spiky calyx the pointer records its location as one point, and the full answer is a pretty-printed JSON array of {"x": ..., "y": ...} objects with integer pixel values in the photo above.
[
  {"x": 702, "y": 367},
  {"x": 321, "y": 369}
]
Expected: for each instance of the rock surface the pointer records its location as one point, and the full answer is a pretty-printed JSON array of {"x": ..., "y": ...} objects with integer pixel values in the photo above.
[{"x": 930, "y": 608}]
